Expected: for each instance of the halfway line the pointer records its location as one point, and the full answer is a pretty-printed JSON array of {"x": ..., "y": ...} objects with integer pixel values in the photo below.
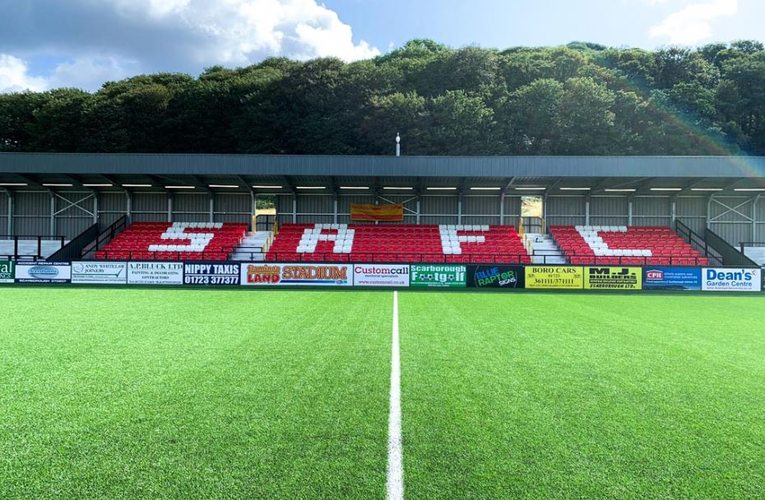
[{"x": 395, "y": 448}]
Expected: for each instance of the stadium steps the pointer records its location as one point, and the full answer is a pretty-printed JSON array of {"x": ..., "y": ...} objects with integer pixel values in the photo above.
[
  {"x": 254, "y": 246},
  {"x": 544, "y": 250}
]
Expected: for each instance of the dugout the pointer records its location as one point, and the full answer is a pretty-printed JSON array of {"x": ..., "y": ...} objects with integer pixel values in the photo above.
[{"x": 52, "y": 195}]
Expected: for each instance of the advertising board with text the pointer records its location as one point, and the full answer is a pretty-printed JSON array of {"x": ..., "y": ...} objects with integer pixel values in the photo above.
[
  {"x": 211, "y": 273},
  {"x": 99, "y": 273},
  {"x": 7, "y": 271},
  {"x": 495, "y": 276},
  {"x": 43, "y": 272},
  {"x": 672, "y": 278},
  {"x": 155, "y": 273},
  {"x": 381, "y": 275},
  {"x": 613, "y": 278},
  {"x": 554, "y": 277},
  {"x": 731, "y": 280},
  {"x": 267, "y": 274},
  {"x": 437, "y": 276}
]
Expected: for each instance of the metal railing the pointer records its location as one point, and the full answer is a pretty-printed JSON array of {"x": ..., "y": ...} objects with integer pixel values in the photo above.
[
  {"x": 730, "y": 254},
  {"x": 105, "y": 236},
  {"x": 169, "y": 256},
  {"x": 251, "y": 251},
  {"x": 697, "y": 242},
  {"x": 397, "y": 258},
  {"x": 750, "y": 244},
  {"x": 73, "y": 250}
]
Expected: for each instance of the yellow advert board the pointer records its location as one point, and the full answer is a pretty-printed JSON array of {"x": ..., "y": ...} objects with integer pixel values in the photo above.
[
  {"x": 555, "y": 277},
  {"x": 613, "y": 278}
]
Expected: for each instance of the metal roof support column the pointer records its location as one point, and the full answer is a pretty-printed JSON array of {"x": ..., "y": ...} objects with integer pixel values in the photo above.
[
  {"x": 587, "y": 210},
  {"x": 459, "y": 208},
  {"x": 417, "y": 215},
  {"x": 502, "y": 208},
  {"x": 544, "y": 213},
  {"x": 9, "y": 215},
  {"x": 52, "y": 214},
  {"x": 294, "y": 207},
  {"x": 629, "y": 211},
  {"x": 709, "y": 210},
  {"x": 169, "y": 206},
  {"x": 674, "y": 210},
  {"x": 95, "y": 207},
  {"x": 754, "y": 216},
  {"x": 334, "y": 209},
  {"x": 211, "y": 201},
  {"x": 129, "y": 206}
]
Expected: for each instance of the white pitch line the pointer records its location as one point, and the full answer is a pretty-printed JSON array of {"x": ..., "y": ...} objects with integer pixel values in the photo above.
[{"x": 395, "y": 448}]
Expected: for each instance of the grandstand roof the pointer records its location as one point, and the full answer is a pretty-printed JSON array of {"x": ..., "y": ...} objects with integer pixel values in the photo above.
[{"x": 289, "y": 172}]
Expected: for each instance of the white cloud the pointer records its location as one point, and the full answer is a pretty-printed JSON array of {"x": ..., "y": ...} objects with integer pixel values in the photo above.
[
  {"x": 91, "y": 41},
  {"x": 244, "y": 31},
  {"x": 693, "y": 24},
  {"x": 14, "y": 76},
  {"x": 89, "y": 72}
]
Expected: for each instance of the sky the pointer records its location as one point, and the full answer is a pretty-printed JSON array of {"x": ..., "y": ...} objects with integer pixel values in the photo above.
[{"x": 48, "y": 44}]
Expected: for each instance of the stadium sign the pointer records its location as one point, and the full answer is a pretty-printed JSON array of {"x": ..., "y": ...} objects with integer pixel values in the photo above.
[
  {"x": 495, "y": 277},
  {"x": 381, "y": 275},
  {"x": 554, "y": 277},
  {"x": 672, "y": 278},
  {"x": 7, "y": 271},
  {"x": 155, "y": 273},
  {"x": 43, "y": 272},
  {"x": 200, "y": 273},
  {"x": 731, "y": 280},
  {"x": 254, "y": 274},
  {"x": 440, "y": 276},
  {"x": 613, "y": 278},
  {"x": 99, "y": 273}
]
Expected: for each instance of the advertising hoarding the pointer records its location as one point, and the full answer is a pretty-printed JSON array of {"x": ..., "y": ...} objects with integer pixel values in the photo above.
[
  {"x": 212, "y": 273},
  {"x": 99, "y": 273},
  {"x": 495, "y": 276},
  {"x": 437, "y": 276},
  {"x": 720, "y": 279},
  {"x": 381, "y": 275},
  {"x": 155, "y": 273},
  {"x": 672, "y": 278},
  {"x": 7, "y": 271},
  {"x": 267, "y": 274},
  {"x": 554, "y": 277},
  {"x": 613, "y": 278},
  {"x": 43, "y": 272}
]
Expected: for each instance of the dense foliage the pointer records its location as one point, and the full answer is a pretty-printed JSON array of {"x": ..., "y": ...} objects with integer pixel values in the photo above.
[{"x": 582, "y": 99}]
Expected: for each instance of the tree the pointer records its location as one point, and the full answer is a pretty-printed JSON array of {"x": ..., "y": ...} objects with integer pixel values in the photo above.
[
  {"x": 533, "y": 110},
  {"x": 584, "y": 117}
]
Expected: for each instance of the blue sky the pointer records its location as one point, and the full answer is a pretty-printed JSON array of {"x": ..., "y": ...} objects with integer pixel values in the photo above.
[{"x": 83, "y": 43}]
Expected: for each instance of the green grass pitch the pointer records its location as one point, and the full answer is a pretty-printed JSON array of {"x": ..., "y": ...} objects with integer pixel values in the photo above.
[{"x": 134, "y": 393}]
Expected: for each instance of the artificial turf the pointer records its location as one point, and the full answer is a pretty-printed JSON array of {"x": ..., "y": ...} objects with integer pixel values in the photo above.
[
  {"x": 193, "y": 393},
  {"x": 540, "y": 396},
  {"x": 132, "y": 393}
]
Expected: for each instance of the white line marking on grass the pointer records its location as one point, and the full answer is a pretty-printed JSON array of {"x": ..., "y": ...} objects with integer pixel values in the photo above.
[{"x": 395, "y": 448}]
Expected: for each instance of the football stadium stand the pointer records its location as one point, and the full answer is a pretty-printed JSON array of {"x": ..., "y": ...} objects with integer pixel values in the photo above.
[
  {"x": 400, "y": 243},
  {"x": 214, "y": 241},
  {"x": 622, "y": 245}
]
